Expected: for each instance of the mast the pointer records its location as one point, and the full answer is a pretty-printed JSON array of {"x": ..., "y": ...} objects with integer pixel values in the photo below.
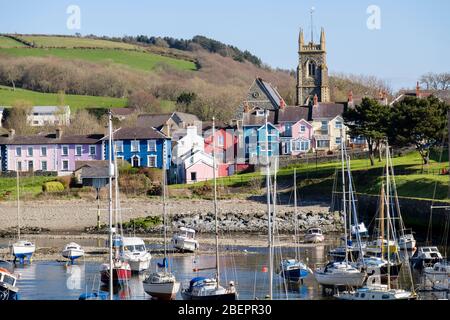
[
  {"x": 269, "y": 223},
  {"x": 164, "y": 181},
  {"x": 295, "y": 212},
  {"x": 344, "y": 200},
  {"x": 382, "y": 218},
  {"x": 388, "y": 217},
  {"x": 111, "y": 174},
  {"x": 215, "y": 202},
  {"x": 18, "y": 200}
]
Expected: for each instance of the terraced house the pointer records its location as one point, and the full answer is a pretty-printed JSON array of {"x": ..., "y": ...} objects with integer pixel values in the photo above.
[
  {"x": 53, "y": 152},
  {"x": 141, "y": 147}
]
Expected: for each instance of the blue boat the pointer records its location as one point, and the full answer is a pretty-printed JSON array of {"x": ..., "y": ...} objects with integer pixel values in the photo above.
[
  {"x": 294, "y": 270},
  {"x": 96, "y": 295}
]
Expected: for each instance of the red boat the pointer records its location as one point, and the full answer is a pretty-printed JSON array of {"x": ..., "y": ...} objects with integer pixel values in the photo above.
[{"x": 121, "y": 272}]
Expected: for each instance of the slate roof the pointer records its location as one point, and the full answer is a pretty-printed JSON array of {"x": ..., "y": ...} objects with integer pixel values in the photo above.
[
  {"x": 157, "y": 121},
  {"x": 122, "y": 111},
  {"x": 270, "y": 92},
  {"x": 50, "y": 138},
  {"x": 251, "y": 119},
  {"x": 293, "y": 114},
  {"x": 139, "y": 133},
  {"x": 48, "y": 109},
  {"x": 94, "y": 172},
  {"x": 91, "y": 163},
  {"x": 326, "y": 110}
]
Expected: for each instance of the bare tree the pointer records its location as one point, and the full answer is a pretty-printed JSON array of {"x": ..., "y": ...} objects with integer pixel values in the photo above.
[{"x": 436, "y": 81}]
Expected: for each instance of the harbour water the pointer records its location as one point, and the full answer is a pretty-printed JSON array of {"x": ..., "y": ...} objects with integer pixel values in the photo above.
[{"x": 245, "y": 265}]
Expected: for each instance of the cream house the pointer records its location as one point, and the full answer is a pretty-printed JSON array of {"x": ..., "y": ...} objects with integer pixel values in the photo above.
[{"x": 49, "y": 115}]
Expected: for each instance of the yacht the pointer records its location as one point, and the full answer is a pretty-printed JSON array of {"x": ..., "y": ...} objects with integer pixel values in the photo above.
[
  {"x": 340, "y": 274},
  {"x": 201, "y": 288},
  {"x": 22, "y": 250},
  {"x": 72, "y": 251},
  {"x": 294, "y": 270},
  {"x": 161, "y": 285},
  {"x": 425, "y": 256},
  {"x": 314, "y": 235}
]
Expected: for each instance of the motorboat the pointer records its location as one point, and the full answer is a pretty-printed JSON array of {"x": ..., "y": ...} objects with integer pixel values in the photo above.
[
  {"x": 201, "y": 288},
  {"x": 8, "y": 288},
  {"x": 314, "y": 235},
  {"x": 376, "y": 292},
  {"x": 374, "y": 248},
  {"x": 340, "y": 274},
  {"x": 22, "y": 250},
  {"x": 161, "y": 285},
  {"x": 136, "y": 254},
  {"x": 425, "y": 256},
  {"x": 72, "y": 251},
  {"x": 438, "y": 275},
  {"x": 359, "y": 229},
  {"x": 407, "y": 241},
  {"x": 294, "y": 270},
  {"x": 184, "y": 240}
]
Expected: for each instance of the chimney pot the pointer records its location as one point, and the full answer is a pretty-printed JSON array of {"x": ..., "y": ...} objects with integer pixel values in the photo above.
[{"x": 350, "y": 96}]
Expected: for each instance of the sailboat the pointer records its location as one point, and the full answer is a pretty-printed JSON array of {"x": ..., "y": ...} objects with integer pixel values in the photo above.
[
  {"x": 342, "y": 273},
  {"x": 294, "y": 270},
  {"x": 374, "y": 290},
  {"x": 202, "y": 288},
  {"x": 162, "y": 284},
  {"x": 22, "y": 249},
  {"x": 121, "y": 270}
]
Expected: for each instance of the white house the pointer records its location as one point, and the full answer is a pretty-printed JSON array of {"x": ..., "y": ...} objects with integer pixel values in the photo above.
[
  {"x": 189, "y": 144},
  {"x": 1, "y": 116},
  {"x": 49, "y": 115}
]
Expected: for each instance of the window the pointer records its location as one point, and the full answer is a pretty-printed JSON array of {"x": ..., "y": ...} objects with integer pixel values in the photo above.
[
  {"x": 44, "y": 165},
  {"x": 338, "y": 124},
  {"x": 311, "y": 69},
  {"x": 260, "y": 113},
  {"x": 193, "y": 176},
  {"x": 152, "y": 162},
  {"x": 35, "y": 122},
  {"x": 30, "y": 165},
  {"x": 323, "y": 143},
  {"x": 220, "y": 141},
  {"x": 65, "y": 165},
  {"x": 78, "y": 150},
  {"x": 92, "y": 150},
  {"x": 30, "y": 151},
  {"x": 302, "y": 128},
  {"x": 19, "y": 151},
  {"x": 135, "y": 146},
  {"x": 19, "y": 166},
  {"x": 65, "y": 150},
  {"x": 43, "y": 151},
  {"x": 151, "y": 145},
  {"x": 324, "y": 126},
  {"x": 300, "y": 145},
  {"x": 338, "y": 140},
  {"x": 119, "y": 146}
]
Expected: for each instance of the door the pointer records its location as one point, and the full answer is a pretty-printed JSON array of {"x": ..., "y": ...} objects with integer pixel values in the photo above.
[
  {"x": 30, "y": 166},
  {"x": 135, "y": 161},
  {"x": 193, "y": 176}
]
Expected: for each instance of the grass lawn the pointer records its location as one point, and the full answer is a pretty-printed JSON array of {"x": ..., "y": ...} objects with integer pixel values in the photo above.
[
  {"x": 28, "y": 186},
  {"x": 410, "y": 180},
  {"x": 133, "y": 59},
  {"x": 71, "y": 42},
  {"x": 6, "y": 42},
  {"x": 8, "y": 97}
]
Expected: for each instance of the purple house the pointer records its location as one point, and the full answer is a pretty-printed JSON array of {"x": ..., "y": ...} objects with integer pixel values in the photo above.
[
  {"x": 295, "y": 131},
  {"x": 52, "y": 152}
]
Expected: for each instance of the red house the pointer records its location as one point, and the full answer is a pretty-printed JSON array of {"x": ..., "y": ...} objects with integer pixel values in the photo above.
[{"x": 225, "y": 142}]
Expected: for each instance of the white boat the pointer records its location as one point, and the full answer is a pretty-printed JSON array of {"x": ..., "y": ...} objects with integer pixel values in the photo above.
[
  {"x": 314, "y": 235},
  {"x": 376, "y": 292},
  {"x": 425, "y": 256},
  {"x": 72, "y": 251},
  {"x": 373, "y": 248},
  {"x": 360, "y": 229},
  {"x": 161, "y": 285},
  {"x": 438, "y": 275},
  {"x": 407, "y": 242},
  {"x": 184, "y": 240},
  {"x": 340, "y": 274},
  {"x": 136, "y": 254},
  {"x": 201, "y": 288},
  {"x": 8, "y": 288},
  {"x": 22, "y": 250}
]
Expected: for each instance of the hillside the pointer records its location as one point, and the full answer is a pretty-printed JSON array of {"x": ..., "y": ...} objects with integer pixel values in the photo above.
[{"x": 160, "y": 71}]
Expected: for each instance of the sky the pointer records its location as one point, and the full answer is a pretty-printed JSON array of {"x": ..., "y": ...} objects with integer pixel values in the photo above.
[{"x": 405, "y": 40}]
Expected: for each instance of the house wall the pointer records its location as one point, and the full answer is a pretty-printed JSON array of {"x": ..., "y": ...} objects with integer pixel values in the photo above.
[
  {"x": 143, "y": 152},
  {"x": 332, "y": 131},
  {"x": 71, "y": 157},
  {"x": 203, "y": 171},
  {"x": 190, "y": 142},
  {"x": 228, "y": 147}
]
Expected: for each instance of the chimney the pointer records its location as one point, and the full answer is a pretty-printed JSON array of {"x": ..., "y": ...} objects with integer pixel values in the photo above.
[
  {"x": 350, "y": 96},
  {"x": 417, "y": 90},
  {"x": 58, "y": 133},
  {"x": 316, "y": 101},
  {"x": 11, "y": 133}
]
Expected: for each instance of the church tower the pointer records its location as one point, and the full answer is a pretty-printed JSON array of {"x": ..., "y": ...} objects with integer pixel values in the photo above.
[{"x": 312, "y": 71}]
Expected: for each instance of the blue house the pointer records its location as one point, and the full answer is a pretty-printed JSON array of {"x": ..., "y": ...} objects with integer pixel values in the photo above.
[{"x": 141, "y": 147}]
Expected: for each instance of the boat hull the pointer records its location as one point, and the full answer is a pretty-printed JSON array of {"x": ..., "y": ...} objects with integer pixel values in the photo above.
[
  {"x": 119, "y": 275},
  {"x": 162, "y": 291},
  {"x": 72, "y": 254},
  {"x": 314, "y": 238},
  {"x": 7, "y": 293},
  {"x": 139, "y": 265},
  {"x": 344, "y": 279},
  {"x": 294, "y": 275}
]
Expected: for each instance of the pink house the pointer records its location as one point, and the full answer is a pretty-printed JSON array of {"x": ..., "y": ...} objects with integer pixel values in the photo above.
[
  {"x": 225, "y": 141},
  {"x": 296, "y": 132},
  {"x": 198, "y": 167}
]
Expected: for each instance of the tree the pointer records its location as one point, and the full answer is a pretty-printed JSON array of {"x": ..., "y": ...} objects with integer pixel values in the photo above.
[
  {"x": 436, "y": 81},
  {"x": 17, "y": 117},
  {"x": 418, "y": 122},
  {"x": 369, "y": 119},
  {"x": 144, "y": 102}
]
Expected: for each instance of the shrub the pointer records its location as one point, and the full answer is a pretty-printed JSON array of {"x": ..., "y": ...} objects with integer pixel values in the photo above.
[
  {"x": 137, "y": 184},
  {"x": 154, "y": 174},
  {"x": 155, "y": 190},
  {"x": 53, "y": 186},
  {"x": 202, "y": 190},
  {"x": 65, "y": 181},
  {"x": 144, "y": 223}
]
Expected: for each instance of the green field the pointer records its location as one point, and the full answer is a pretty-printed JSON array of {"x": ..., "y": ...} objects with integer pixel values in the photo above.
[
  {"x": 71, "y": 42},
  {"x": 133, "y": 59},
  {"x": 28, "y": 186},
  {"x": 9, "y": 43},
  {"x": 8, "y": 97},
  {"x": 318, "y": 181}
]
